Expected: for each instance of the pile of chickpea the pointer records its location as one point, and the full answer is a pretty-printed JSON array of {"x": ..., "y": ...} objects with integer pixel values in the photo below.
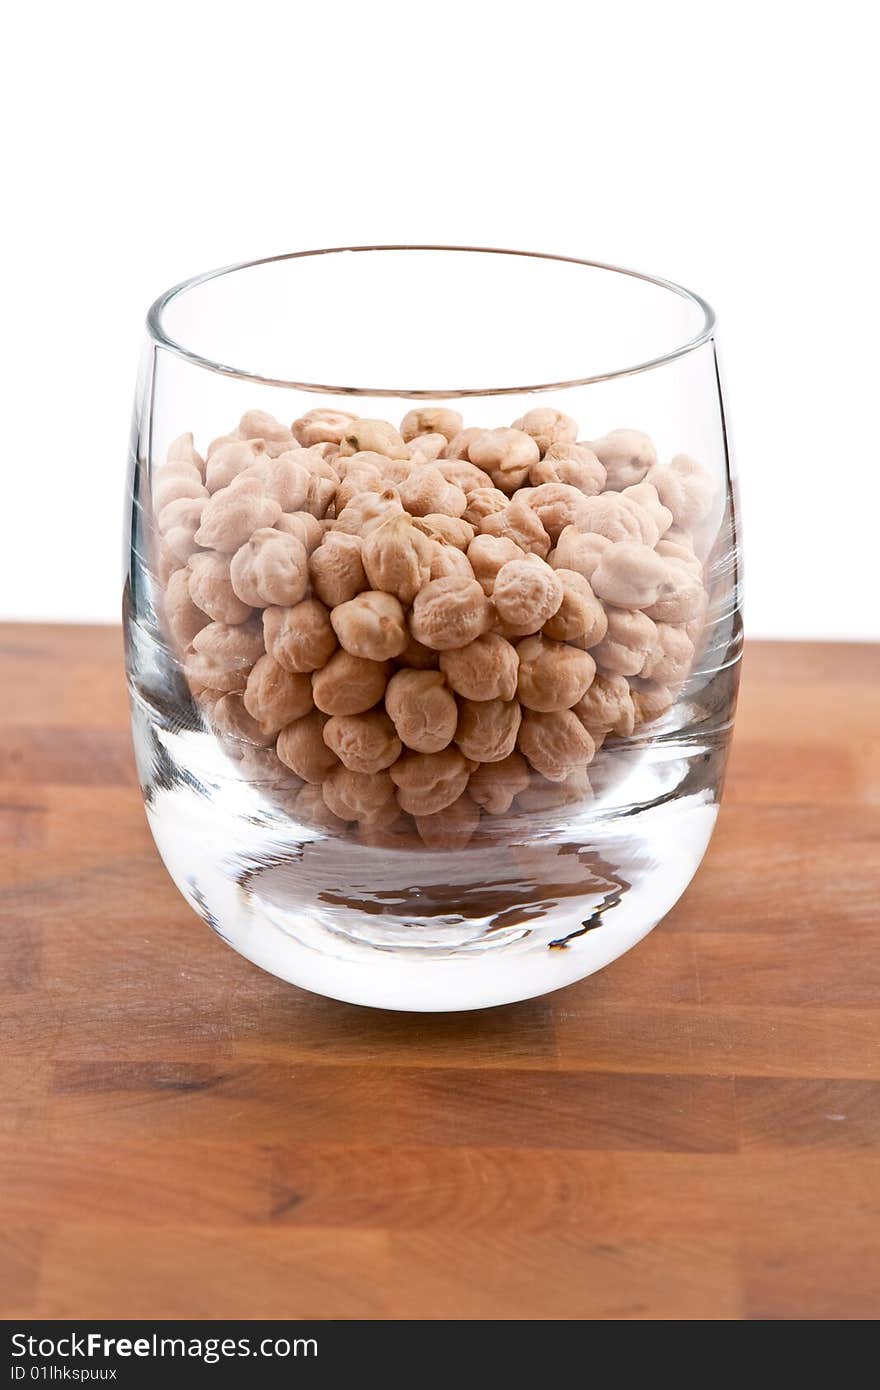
[{"x": 432, "y": 622}]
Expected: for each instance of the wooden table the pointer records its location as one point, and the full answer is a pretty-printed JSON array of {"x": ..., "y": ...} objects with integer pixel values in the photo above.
[{"x": 693, "y": 1133}]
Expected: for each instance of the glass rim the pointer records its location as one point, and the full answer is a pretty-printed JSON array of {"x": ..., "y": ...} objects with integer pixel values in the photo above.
[{"x": 156, "y": 329}]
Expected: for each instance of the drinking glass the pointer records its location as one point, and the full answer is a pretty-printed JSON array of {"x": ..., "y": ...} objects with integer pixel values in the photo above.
[{"x": 549, "y": 825}]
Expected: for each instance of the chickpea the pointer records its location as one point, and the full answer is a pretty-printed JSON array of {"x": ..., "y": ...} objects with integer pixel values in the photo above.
[
  {"x": 232, "y": 721},
  {"x": 300, "y": 638},
  {"x": 544, "y": 795},
  {"x": 236, "y": 646},
  {"x": 179, "y": 524},
  {"x": 336, "y": 568},
  {"x": 429, "y": 782},
  {"x": 418, "y": 657},
  {"x": 376, "y": 435},
  {"x": 183, "y": 618},
  {"x": 680, "y": 597},
  {"x": 166, "y": 563},
  {"x": 270, "y": 568},
  {"x": 618, "y": 518},
  {"x": 556, "y": 506},
  {"x": 371, "y": 625},
  {"x": 450, "y": 612},
  {"x": 204, "y": 673},
  {"x": 426, "y": 490},
  {"x": 552, "y": 675},
  {"x": 694, "y": 626},
  {"x": 451, "y": 530},
  {"x": 321, "y": 426},
  {"x": 580, "y": 617},
  {"x": 629, "y": 575},
  {"x": 486, "y": 730},
  {"x": 451, "y": 828},
  {"x": 459, "y": 444},
  {"x": 347, "y": 465},
  {"x": 547, "y": 427},
  {"x": 274, "y": 697},
  {"x": 183, "y": 450},
  {"x": 286, "y": 479},
  {"x": 422, "y": 709},
  {"x": 306, "y": 528},
  {"x": 233, "y": 514},
  {"x": 651, "y": 700},
  {"x": 397, "y": 558},
  {"x": 527, "y": 592},
  {"x": 487, "y": 554},
  {"x": 579, "y": 552},
  {"x": 310, "y": 808},
  {"x": 323, "y": 482},
  {"x": 607, "y": 707},
  {"x": 427, "y": 447},
  {"x": 463, "y": 474},
  {"x": 671, "y": 660},
  {"x": 520, "y": 524},
  {"x": 680, "y": 550},
  {"x": 646, "y": 496},
  {"x": 506, "y": 455},
  {"x": 485, "y": 669},
  {"x": 302, "y": 748},
  {"x": 493, "y": 786},
  {"x": 230, "y": 460},
  {"x": 686, "y": 488},
  {"x": 630, "y": 637},
  {"x": 555, "y": 744},
  {"x": 175, "y": 481},
  {"x": 367, "y": 511},
  {"x": 349, "y": 684},
  {"x": 363, "y": 742},
  {"x": 210, "y": 588},
  {"x": 575, "y": 465},
  {"x": 366, "y": 477},
  {"x": 626, "y": 455},
  {"x": 367, "y": 798},
  {"x": 482, "y": 502},
  {"x": 259, "y": 424},
  {"x": 431, "y": 419}
]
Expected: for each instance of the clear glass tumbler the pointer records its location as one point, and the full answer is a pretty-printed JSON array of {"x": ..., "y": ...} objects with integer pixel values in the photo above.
[{"x": 432, "y": 613}]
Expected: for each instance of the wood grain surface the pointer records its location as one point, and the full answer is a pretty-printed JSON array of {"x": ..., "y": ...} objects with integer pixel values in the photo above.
[{"x": 692, "y": 1133}]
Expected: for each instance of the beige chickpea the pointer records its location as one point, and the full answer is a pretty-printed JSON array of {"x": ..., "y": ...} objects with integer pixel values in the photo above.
[
  {"x": 626, "y": 456},
  {"x": 363, "y": 742},
  {"x": 229, "y": 461},
  {"x": 310, "y": 808},
  {"x": 527, "y": 592},
  {"x": 431, "y": 419},
  {"x": 183, "y": 450},
  {"x": 459, "y": 444},
  {"x": 270, "y": 568},
  {"x": 671, "y": 660},
  {"x": 233, "y": 514},
  {"x": 299, "y": 638},
  {"x": 368, "y": 798},
  {"x": 367, "y": 511},
  {"x": 204, "y": 673},
  {"x": 629, "y": 575},
  {"x": 183, "y": 618},
  {"x": 347, "y": 465},
  {"x": 166, "y": 563},
  {"x": 618, "y": 518},
  {"x": 556, "y": 506},
  {"x": 210, "y": 588},
  {"x": 487, "y": 554},
  {"x": 463, "y": 474},
  {"x": 306, "y": 528},
  {"x": 366, "y": 477},
  {"x": 452, "y": 828},
  {"x": 286, "y": 478},
  {"x": 274, "y": 697},
  {"x": 323, "y": 484},
  {"x": 555, "y": 744},
  {"x": 417, "y": 657},
  {"x": 493, "y": 786},
  {"x": 447, "y": 561},
  {"x": 681, "y": 596},
  {"x": 485, "y": 669},
  {"x": 486, "y": 730},
  {"x": 543, "y": 794},
  {"x": 520, "y": 524},
  {"x": 651, "y": 700},
  {"x": 450, "y": 612},
  {"x": 580, "y": 617},
  {"x": 695, "y": 626},
  {"x": 422, "y": 709},
  {"x": 427, "y": 447},
  {"x": 429, "y": 782},
  {"x": 236, "y": 646},
  {"x": 259, "y": 424},
  {"x": 452, "y": 530},
  {"x": 301, "y": 747},
  {"x": 552, "y": 675},
  {"x": 179, "y": 523},
  {"x": 321, "y": 427},
  {"x": 336, "y": 568},
  {"x": 174, "y": 481},
  {"x": 376, "y": 435},
  {"x": 372, "y": 625},
  {"x": 575, "y": 465},
  {"x": 686, "y": 488},
  {"x": 630, "y": 637},
  {"x": 349, "y": 684},
  {"x": 426, "y": 490},
  {"x": 547, "y": 427},
  {"x": 482, "y": 502},
  {"x": 232, "y": 720},
  {"x": 506, "y": 455},
  {"x": 607, "y": 707},
  {"x": 578, "y": 551}
]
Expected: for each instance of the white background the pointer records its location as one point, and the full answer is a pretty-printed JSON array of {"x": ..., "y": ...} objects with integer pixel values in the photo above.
[{"x": 732, "y": 148}]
